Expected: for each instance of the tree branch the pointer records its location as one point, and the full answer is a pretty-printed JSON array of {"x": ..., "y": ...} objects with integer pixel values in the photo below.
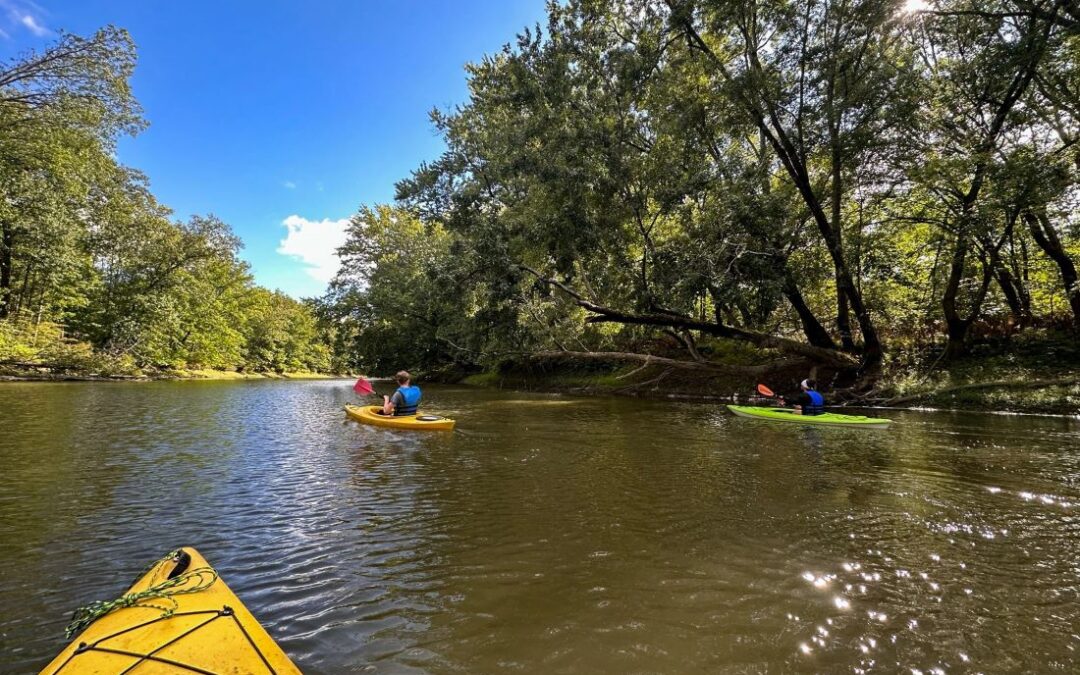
[{"x": 671, "y": 320}]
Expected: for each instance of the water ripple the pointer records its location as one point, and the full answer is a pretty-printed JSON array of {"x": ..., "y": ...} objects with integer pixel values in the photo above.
[{"x": 551, "y": 533}]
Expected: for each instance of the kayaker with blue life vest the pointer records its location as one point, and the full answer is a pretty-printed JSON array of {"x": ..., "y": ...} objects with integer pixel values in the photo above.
[
  {"x": 809, "y": 401},
  {"x": 405, "y": 400}
]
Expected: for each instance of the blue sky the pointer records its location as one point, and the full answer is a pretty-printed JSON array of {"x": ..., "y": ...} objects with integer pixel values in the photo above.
[{"x": 283, "y": 117}]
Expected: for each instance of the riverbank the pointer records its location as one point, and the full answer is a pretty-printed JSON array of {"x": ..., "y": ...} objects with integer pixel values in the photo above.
[
  {"x": 43, "y": 373},
  {"x": 1054, "y": 397},
  {"x": 1021, "y": 376}
]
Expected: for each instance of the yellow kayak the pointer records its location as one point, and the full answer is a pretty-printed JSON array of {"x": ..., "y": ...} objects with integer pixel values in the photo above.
[
  {"x": 179, "y": 617},
  {"x": 371, "y": 414}
]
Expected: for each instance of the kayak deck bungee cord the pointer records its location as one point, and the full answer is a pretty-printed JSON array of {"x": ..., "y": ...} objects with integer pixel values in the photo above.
[{"x": 178, "y": 617}]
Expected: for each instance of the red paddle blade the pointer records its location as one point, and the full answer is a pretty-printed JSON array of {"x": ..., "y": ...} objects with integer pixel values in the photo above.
[
  {"x": 765, "y": 391},
  {"x": 363, "y": 387}
]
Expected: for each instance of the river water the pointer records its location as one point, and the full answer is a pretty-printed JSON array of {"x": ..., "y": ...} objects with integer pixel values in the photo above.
[{"x": 550, "y": 533}]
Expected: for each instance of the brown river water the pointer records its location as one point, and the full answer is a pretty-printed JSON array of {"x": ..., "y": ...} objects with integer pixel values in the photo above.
[{"x": 550, "y": 534}]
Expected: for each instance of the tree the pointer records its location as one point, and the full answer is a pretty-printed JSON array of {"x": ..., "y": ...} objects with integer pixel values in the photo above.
[
  {"x": 819, "y": 82},
  {"x": 61, "y": 111},
  {"x": 980, "y": 63},
  {"x": 396, "y": 297}
]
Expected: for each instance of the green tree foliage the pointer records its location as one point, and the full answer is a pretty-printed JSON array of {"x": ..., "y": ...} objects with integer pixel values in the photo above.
[
  {"x": 398, "y": 300},
  {"x": 93, "y": 271},
  {"x": 822, "y": 177},
  {"x": 61, "y": 112},
  {"x": 282, "y": 335}
]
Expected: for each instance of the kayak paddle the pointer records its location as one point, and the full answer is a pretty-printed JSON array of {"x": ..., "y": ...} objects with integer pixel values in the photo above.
[
  {"x": 765, "y": 391},
  {"x": 364, "y": 388}
]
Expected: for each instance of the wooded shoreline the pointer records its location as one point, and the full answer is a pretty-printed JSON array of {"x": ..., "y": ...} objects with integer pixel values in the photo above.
[
  {"x": 1036, "y": 391},
  {"x": 1040, "y": 377},
  {"x": 997, "y": 397},
  {"x": 43, "y": 373},
  {"x": 882, "y": 193}
]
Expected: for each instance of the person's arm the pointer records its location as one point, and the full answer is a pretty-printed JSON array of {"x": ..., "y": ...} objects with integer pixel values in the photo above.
[
  {"x": 803, "y": 399},
  {"x": 391, "y": 402}
]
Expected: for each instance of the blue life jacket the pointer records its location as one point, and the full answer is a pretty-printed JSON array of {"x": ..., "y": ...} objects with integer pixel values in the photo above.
[
  {"x": 410, "y": 400},
  {"x": 817, "y": 403}
]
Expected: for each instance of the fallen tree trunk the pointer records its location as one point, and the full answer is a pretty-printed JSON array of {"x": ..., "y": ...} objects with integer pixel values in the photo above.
[
  {"x": 649, "y": 359},
  {"x": 604, "y": 314}
]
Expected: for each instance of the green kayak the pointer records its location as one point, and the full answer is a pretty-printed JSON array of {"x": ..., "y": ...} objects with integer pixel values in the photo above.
[{"x": 829, "y": 419}]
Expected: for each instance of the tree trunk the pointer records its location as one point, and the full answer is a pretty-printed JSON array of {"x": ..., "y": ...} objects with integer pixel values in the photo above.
[
  {"x": 871, "y": 343},
  {"x": 843, "y": 317},
  {"x": 957, "y": 326},
  {"x": 649, "y": 359},
  {"x": 16, "y": 307},
  {"x": 602, "y": 314},
  {"x": 7, "y": 244},
  {"x": 744, "y": 312},
  {"x": 843, "y": 321},
  {"x": 812, "y": 328},
  {"x": 957, "y": 330},
  {"x": 1014, "y": 295},
  {"x": 1042, "y": 230},
  {"x": 1007, "y": 276}
]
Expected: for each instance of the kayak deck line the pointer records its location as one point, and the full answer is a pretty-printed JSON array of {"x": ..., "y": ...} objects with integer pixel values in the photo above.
[
  {"x": 823, "y": 419},
  {"x": 177, "y": 617},
  {"x": 372, "y": 414}
]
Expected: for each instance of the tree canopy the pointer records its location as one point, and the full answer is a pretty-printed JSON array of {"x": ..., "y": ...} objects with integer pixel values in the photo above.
[
  {"x": 824, "y": 178},
  {"x": 88, "y": 256}
]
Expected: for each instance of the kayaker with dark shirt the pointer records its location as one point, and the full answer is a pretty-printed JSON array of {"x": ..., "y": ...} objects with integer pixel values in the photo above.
[
  {"x": 405, "y": 400},
  {"x": 809, "y": 401}
]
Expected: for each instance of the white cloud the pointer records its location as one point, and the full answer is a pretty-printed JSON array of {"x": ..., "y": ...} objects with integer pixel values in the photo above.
[
  {"x": 22, "y": 13},
  {"x": 315, "y": 243},
  {"x": 35, "y": 27},
  {"x": 289, "y": 184}
]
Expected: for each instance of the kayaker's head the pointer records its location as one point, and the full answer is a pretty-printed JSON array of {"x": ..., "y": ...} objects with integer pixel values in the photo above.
[
  {"x": 403, "y": 378},
  {"x": 809, "y": 384}
]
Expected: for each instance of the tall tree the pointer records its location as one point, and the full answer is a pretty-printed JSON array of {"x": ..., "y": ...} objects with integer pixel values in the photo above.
[
  {"x": 980, "y": 61},
  {"x": 819, "y": 81},
  {"x": 61, "y": 111}
]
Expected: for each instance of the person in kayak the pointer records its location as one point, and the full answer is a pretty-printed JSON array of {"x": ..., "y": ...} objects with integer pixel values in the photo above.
[
  {"x": 809, "y": 401},
  {"x": 405, "y": 400}
]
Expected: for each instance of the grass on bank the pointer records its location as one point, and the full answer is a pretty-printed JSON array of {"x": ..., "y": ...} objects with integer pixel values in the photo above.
[
  {"x": 1037, "y": 371},
  {"x": 212, "y": 374},
  {"x": 41, "y": 351}
]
